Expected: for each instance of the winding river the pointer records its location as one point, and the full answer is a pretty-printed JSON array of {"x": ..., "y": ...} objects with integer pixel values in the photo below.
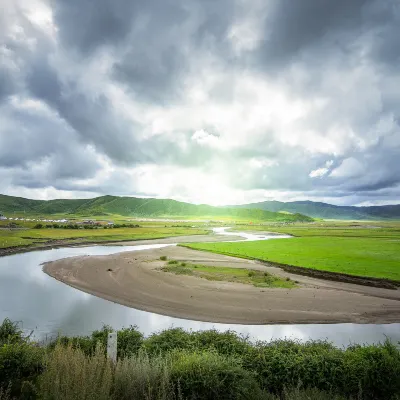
[{"x": 47, "y": 307}]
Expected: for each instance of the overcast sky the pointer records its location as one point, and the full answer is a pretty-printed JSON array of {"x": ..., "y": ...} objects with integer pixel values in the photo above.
[{"x": 215, "y": 101}]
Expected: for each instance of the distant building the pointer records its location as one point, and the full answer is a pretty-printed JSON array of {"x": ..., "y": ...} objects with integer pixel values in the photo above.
[{"x": 2, "y": 217}]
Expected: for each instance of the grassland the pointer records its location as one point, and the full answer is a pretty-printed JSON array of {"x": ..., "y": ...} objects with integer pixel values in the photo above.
[
  {"x": 238, "y": 275},
  {"x": 347, "y": 248},
  {"x": 28, "y": 236}
]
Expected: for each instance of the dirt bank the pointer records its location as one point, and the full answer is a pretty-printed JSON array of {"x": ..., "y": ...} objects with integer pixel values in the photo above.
[{"x": 134, "y": 279}]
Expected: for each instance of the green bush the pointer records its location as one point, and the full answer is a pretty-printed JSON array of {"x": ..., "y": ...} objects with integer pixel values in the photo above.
[
  {"x": 129, "y": 341},
  {"x": 177, "y": 363},
  {"x": 227, "y": 343},
  {"x": 10, "y": 332},
  {"x": 19, "y": 363},
  {"x": 38, "y": 226},
  {"x": 372, "y": 372},
  {"x": 163, "y": 258},
  {"x": 168, "y": 340},
  {"x": 209, "y": 376}
]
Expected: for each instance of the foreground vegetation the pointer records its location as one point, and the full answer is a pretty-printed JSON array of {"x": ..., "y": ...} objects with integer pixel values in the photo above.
[
  {"x": 175, "y": 364},
  {"x": 349, "y": 248},
  {"x": 227, "y": 274}
]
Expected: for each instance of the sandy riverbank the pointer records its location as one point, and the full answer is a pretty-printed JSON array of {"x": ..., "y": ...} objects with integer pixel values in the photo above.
[{"x": 134, "y": 279}]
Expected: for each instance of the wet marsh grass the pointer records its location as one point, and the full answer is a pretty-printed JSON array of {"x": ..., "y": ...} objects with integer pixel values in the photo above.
[{"x": 239, "y": 275}]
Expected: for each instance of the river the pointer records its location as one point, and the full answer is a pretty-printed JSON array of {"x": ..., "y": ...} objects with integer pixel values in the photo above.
[{"x": 48, "y": 307}]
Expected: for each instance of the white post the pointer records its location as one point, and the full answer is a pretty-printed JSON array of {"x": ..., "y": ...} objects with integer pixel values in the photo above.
[{"x": 112, "y": 346}]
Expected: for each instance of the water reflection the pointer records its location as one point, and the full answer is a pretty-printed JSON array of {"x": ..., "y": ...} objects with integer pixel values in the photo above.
[{"x": 48, "y": 306}]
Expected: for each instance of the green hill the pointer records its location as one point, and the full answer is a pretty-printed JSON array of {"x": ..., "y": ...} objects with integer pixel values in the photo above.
[
  {"x": 330, "y": 211},
  {"x": 138, "y": 207}
]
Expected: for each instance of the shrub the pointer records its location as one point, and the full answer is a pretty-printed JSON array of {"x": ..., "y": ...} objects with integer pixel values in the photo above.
[
  {"x": 367, "y": 371},
  {"x": 170, "y": 339},
  {"x": 10, "y": 332},
  {"x": 129, "y": 341},
  {"x": 70, "y": 374},
  {"x": 227, "y": 343},
  {"x": 38, "y": 226},
  {"x": 208, "y": 375},
  {"x": 163, "y": 258},
  {"x": 19, "y": 363}
]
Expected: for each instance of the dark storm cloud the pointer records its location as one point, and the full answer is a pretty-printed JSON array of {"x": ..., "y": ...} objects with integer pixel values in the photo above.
[
  {"x": 85, "y": 25},
  {"x": 294, "y": 26}
]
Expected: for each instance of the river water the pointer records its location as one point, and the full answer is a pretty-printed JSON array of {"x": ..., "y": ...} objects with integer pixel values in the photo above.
[{"x": 48, "y": 307}]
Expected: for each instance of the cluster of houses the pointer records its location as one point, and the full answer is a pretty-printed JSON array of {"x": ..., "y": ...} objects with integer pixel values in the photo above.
[
  {"x": 56, "y": 221},
  {"x": 4, "y": 218},
  {"x": 94, "y": 223}
]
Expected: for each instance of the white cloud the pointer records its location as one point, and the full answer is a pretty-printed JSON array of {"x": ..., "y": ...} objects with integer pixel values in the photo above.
[{"x": 320, "y": 172}]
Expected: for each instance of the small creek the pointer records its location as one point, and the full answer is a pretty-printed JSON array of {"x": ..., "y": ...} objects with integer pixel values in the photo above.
[{"x": 48, "y": 307}]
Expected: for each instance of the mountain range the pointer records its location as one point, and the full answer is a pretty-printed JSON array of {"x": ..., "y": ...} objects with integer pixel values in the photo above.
[
  {"x": 138, "y": 207},
  {"x": 330, "y": 211},
  {"x": 150, "y": 207}
]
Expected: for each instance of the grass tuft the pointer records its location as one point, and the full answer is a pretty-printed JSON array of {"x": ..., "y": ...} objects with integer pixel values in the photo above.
[{"x": 239, "y": 275}]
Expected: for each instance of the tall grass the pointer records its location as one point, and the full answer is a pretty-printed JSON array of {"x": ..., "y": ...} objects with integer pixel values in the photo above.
[
  {"x": 143, "y": 378},
  {"x": 71, "y": 375}
]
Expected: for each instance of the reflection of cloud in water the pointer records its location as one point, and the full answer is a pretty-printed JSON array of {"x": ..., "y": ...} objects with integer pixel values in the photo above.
[{"x": 48, "y": 307}]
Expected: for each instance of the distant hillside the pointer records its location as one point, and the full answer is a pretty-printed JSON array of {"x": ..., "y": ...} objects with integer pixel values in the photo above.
[
  {"x": 137, "y": 207},
  {"x": 329, "y": 211}
]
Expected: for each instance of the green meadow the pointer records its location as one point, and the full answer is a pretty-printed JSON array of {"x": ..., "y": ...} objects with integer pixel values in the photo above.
[
  {"x": 334, "y": 247},
  {"x": 238, "y": 275},
  {"x": 26, "y": 235}
]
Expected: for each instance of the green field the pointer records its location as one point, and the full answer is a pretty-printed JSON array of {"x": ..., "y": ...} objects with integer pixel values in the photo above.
[
  {"x": 238, "y": 275},
  {"x": 38, "y": 237},
  {"x": 376, "y": 229},
  {"x": 344, "y": 249}
]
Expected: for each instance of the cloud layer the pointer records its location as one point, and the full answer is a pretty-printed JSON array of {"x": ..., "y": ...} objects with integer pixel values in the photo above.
[{"x": 214, "y": 101}]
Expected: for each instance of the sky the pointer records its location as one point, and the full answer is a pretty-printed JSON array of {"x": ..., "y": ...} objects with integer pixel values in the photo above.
[{"x": 206, "y": 101}]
